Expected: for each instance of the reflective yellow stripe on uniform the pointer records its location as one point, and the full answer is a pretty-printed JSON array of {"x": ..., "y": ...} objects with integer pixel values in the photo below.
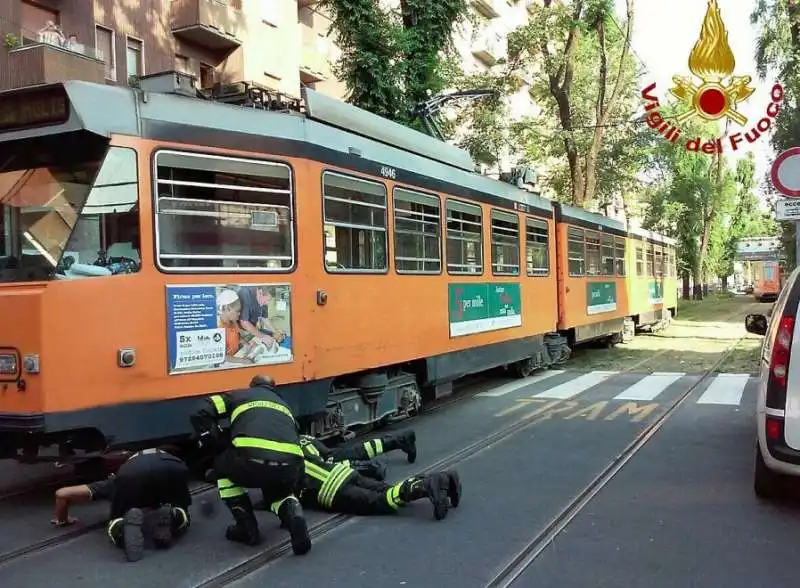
[
  {"x": 219, "y": 404},
  {"x": 393, "y": 495},
  {"x": 267, "y": 445},
  {"x": 260, "y": 404},
  {"x": 227, "y": 489},
  {"x": 308, "y": 447},
  {"x": 317, "y": 472},
  {"x": 110, "y": 529},
  {"x": 373, "y": 447},
  {"x": 276, "y": 506},
  {"x": 329, "y": 489}
]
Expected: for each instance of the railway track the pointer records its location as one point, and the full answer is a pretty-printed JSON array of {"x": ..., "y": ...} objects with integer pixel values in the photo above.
[{"x": 512, "y": 570}]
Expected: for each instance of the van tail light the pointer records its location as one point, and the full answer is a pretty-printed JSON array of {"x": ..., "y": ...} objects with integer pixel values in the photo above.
[{"x": 779, "y": 362}]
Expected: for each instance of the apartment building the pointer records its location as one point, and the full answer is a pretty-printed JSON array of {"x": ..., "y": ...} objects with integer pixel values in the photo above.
[{"x": 273, "y": 42}]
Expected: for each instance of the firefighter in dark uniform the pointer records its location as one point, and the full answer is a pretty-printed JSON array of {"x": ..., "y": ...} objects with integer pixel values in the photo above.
[
  {"x": 406, "y": 441},
  {"x": 260, "y": 450},
  {"x": 149, "y": 479},
  {"x": 339, "y": 488}
]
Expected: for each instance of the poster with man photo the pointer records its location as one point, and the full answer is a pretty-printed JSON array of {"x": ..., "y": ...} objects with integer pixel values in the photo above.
[{"x": 228, "y": 326}]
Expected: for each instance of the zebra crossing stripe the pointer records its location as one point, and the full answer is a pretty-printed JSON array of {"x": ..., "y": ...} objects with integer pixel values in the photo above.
[
  {"x": 725, "y": 389},
  {"x": 650, "y": 387},
  {"x": 574, "y": 387},
  {"x": 512, "y": 386}
]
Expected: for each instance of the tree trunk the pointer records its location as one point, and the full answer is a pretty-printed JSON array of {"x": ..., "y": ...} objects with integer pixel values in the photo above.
[
  {"x": 686, "y": 294},
  {"x": 724, "y": 283}
]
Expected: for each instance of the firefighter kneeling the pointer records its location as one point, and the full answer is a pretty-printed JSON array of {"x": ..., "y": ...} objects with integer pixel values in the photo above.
[
  {"x": 262, "y": 450},
  {"x": 339, "y": 488}
]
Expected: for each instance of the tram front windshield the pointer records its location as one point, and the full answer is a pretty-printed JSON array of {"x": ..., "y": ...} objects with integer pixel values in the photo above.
[{"x": 62, "y": 204}]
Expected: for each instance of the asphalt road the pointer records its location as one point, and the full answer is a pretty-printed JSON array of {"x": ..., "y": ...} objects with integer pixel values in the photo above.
[{"x": 680, "y": 513}]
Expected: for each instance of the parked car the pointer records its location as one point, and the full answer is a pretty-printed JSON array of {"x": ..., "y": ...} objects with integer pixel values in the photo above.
[{"x": 778, "y": 404}]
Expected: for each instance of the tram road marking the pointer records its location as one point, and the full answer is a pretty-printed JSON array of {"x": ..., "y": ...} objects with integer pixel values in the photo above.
[
  {"x": 572, "y": 409},
  {"x": 513, "y": 386},
  {"x": 725, "y": 389},
  {"x": 651, "y": 386},
  {"x": 574, "y": 387}
]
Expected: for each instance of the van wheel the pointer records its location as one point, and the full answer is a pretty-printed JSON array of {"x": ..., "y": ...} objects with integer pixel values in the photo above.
[
  {"x": 523, "y": 368},
  {"x": 766, "y": 483}
]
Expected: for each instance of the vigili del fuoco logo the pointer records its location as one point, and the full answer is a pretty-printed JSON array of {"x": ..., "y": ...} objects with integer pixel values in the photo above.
[{"x": 716, "y": 97}]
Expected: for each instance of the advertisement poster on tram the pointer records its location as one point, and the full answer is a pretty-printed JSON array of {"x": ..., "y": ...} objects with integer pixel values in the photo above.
[
  {"x": 214, "y": 327},
  {"x": 480, "y": 307}
]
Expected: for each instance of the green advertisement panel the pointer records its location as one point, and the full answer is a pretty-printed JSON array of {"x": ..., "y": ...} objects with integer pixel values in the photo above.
[
  {"x": 479, "y": 307},
  {"x": 655, "y": 292},
  {"x": 601, "y": 297}
]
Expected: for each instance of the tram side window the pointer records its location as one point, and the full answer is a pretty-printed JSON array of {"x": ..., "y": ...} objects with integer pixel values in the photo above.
[
  {"x": 355, "y": 224},
  {"x": 650, "y": 263},
  {"x": 505, "y": 243},
  {"x": 608, "y": 255},
  {"x": 106, "y": 238},
  {"x": 659, "y": 262},
  {"x": 619, "y": 257},
  {"x": 592, "y": 253},
  {"x": 222, "y": 213},
  {"x": 417, "y": 233},
  {"x": 639, "y": 261},
  {"x": 576, "y": 252},
  {"x": 674, "y": 264},
  {"x": 464, "y": 238},
  {"x": 537, "y": 255}
]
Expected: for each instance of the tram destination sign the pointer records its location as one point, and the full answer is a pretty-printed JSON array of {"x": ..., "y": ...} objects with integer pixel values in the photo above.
[{"x": 31, "y": 109}]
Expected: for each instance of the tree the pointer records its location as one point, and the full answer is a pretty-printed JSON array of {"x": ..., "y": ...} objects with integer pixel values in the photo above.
[
  {"x": 584, "y": 79},
  {"x": 778, "y": 50},
  {"x": 392, "y": 60}
]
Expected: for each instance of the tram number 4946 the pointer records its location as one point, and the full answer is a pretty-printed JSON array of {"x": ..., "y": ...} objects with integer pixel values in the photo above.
[{"x": 389, "y": 172}]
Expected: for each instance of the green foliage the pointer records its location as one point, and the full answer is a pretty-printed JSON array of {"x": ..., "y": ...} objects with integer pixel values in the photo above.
[{"x": 392, "y": 60}]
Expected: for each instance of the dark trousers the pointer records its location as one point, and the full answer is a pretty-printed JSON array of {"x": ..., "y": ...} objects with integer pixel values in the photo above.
[
  {"x": 365, "y": 450},
  {"x": 359, "y": 496},
  {"x": 238, "y": 471},
  {"x": 149, "y": 481}
]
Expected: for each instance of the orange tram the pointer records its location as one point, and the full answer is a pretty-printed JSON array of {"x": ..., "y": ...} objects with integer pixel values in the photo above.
[{"x": 159, "y": 244}]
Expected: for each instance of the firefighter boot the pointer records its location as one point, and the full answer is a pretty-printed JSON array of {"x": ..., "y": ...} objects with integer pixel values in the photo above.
[
  {"x": 245, "y": 529},
  {"x": 370, "y": 468},
  {"x": 133, "y": 539},
  {"x": 407, "y": 441},
  {"x": 291, "y": 515},
  {"x": 433, "y": 487},
  {"x": 162, "y": 531},
  {"x": 453, "y": 488}
]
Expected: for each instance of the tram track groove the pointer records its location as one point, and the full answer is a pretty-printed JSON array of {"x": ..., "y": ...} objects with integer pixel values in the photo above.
[{"x": 509, "y": 573}]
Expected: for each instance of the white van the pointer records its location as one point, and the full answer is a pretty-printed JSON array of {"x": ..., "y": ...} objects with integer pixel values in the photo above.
[{"x": 778, "y": 407}]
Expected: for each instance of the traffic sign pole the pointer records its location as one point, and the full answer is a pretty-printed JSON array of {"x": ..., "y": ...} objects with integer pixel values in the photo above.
[{"x": 785, "y": 175}]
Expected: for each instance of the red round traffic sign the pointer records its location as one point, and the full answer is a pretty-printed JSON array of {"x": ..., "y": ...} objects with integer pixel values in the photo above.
[{"x": 785, "y": 173}]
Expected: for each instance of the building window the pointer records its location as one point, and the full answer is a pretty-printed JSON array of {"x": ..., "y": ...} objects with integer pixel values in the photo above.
[
  {"x": 104, "y": 41},
  {"x": 355, "y": 224},
  {"x": 134, "y": 56},
  {"x": 223, "y": 214},
  {"x": 619, "y": 244},
  {"x": 464, "y": 238},
  {"x": 608, "y": 255},
  {"x": 417, "y": 233},
  {"x": 206, "y": 76},
  {"x": 537, "y": 254},
  {"x": 576, "y": 252},
  {"x": 505, "y": 243},
  {"x": 182, "y": 64}
]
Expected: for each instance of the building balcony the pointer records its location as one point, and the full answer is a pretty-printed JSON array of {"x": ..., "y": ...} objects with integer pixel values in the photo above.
[
  {"x": 214, "y": 24},
  {"x": 306, "y": 3},
  {"x": 314, "y": 67},
  {"x": 488, "y": 8},
  {"x": 31, "y": 63},
  {"x": 489, "y": 47}
]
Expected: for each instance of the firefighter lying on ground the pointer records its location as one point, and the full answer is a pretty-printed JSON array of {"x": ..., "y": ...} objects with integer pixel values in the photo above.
[
  {"x": 259, "y": 448},
  {"x": 152, "y": 479},
  {"x": 339, "y": 488}
]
